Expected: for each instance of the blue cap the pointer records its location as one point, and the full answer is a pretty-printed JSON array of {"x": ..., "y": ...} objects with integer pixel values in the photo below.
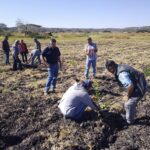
[{"x": 87, "y": 84}]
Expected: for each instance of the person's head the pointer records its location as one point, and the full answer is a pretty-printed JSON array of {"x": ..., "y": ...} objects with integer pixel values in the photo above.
[
  {"x": 35, "y": 39},
  {"x": 6, "y": 37},
  {"x": 53, "y": 42},
  {"x": 89, "y": 40},
  {"x": 22, "y": 41},
  {"x": 16, "y": 42},
  {"x": 87, "y": 84},
  {"x": 111, "y": 66}
]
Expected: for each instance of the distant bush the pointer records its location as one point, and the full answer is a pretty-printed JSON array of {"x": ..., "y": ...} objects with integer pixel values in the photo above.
[
  {"x": 107, "y": 31},
  {"x": 37, "y": 35},
  {"x": 5, "y": 33},
  {"x": 143, "y": 31}
]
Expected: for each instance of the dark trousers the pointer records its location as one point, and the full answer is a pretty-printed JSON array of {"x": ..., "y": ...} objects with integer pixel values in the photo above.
[
  {"x": 24, "y": 56},
  {"x": 17, "y": 63},
  {"x": 6, "y": 57}
]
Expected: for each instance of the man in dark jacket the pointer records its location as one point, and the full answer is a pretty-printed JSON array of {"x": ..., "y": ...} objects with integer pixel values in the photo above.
[
  {"x": 131, "y": 80},
  {"x": 6, "y": 49}
]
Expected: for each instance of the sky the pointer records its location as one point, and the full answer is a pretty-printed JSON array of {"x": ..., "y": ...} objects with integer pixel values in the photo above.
[{"x": 76, "y": 13}]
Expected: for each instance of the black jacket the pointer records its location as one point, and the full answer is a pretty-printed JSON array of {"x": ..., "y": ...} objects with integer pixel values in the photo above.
[{"x": 5, "y": 46}]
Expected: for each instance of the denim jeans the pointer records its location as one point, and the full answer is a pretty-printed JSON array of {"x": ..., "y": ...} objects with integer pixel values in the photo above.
[
  {"x": 36, "y": 55},
  {"x": 130, "y": 108},
  {"x": 88, "y": 65},
  {"x": 52, "y": 77},
  {"x": 6, "y": 57}
]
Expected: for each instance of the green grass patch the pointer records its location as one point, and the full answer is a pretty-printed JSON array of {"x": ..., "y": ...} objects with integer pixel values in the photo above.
[{"x": 147, "y": 71}]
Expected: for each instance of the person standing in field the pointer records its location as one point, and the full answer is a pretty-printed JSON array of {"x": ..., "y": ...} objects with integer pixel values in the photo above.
[
  {"x": 16, "y": 61},
  {"x": 36, "y": 53},
  {"x": 6, "y": 49},
  {"x": 133, "y": 82},
  {"x": 90, "y": 50},
  {"x": 51, "y": 58},
  {"x": 23, "y": 51}
]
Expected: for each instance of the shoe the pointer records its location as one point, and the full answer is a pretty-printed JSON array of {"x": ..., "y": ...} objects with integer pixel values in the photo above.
[
  {"x": 45, "y": 93},
  {"x": 123, "y": 116},
  {"x": 130, "y": 122},
  {"x": 52, "y": 90}
]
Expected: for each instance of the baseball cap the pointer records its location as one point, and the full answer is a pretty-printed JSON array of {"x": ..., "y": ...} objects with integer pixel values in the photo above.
[{"x": 87, "y": 83}]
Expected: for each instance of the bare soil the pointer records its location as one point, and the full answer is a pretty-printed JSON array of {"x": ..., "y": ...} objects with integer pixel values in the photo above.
[{"x": 31, "y": 121}]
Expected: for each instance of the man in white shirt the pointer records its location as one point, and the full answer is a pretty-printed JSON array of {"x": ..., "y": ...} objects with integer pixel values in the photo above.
[
  {"x": 76, "y": 99},
  {"x": 91, "y": 50}
]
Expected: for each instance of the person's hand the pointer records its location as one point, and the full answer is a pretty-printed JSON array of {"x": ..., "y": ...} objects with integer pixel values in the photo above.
[
  {"x": 125, "y": 98},
  {"x": 46, "y": 64}
]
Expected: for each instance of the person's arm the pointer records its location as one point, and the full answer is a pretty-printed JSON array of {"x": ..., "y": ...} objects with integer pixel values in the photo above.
[
  {"x": 39, "y": 45},
  {"x": 59, "y": 58},
  {"x": 60, "y": 62},
  {"x": 44, "y": 61},
  {"x": 95, "y": 48},
  {"x": 30, "y": 58},
  {"x": 44, "y": 58},
  {"x": 130, "y": 90},
  {"x": 124, "y": 78},
  {"x": 88, "y": 102},
  {"x": 86, "y": 50},
  {"x": 3, "y": 47}
]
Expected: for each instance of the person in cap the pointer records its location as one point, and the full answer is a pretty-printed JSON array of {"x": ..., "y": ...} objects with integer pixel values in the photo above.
[
  {"x": 133, "y": 82},
  {"x": 51, "y": 58},
  {"x": 90, "y": 50},
  {"x": 16, "y": 61},
  {"x": 76, "y": 99},
  {"x": 6, "y": 49},
  {"x": 36, "y": 53}
]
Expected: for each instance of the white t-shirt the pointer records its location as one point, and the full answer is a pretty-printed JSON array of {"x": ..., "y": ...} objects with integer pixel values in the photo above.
[
  {"x": 74, "y": 97},
  {"x": 90, "y": 48}
]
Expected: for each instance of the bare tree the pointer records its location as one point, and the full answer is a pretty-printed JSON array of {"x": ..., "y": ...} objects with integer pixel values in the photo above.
[{"x": 21, "y": 26}]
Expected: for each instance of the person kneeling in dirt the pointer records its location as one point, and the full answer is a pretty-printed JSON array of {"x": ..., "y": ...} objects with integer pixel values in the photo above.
[
  {"x": 36, "y": 53},
  {"x": 17, "y": 62},
  {"x": 131, "y": 80},
  {"x": 76, "y": 99},
  {"x": 51, "y": 58}
]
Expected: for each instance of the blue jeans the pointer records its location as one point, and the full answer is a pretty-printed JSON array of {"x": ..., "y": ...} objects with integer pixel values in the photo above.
[
  {"x": 88, "y": 64},
  {"x": 52, "y": 77},
  {"x": 6, "y": 57},
  {"x": 36, "y": 55},
  {"x": 130, "y": 108}
]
